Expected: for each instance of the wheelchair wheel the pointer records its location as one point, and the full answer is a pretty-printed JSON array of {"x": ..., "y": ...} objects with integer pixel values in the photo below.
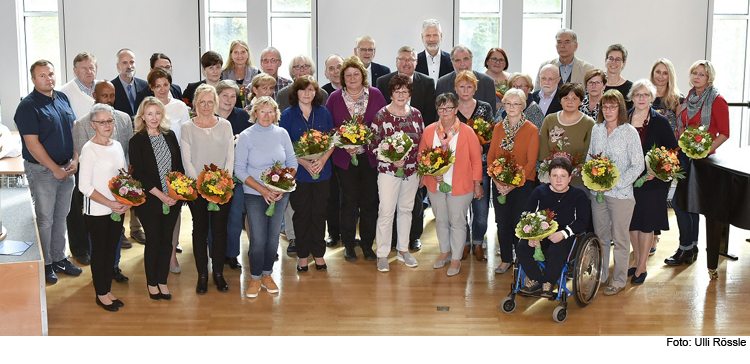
[
  {"x": 587, "y": 270},
  {"x": 508, "y": 305},
  {"x": 559, "y": 314}
]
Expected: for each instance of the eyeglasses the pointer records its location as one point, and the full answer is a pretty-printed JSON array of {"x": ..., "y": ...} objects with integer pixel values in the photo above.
[
  {"x": 594, "y": 83},
  {"x": 401, "y": 92},
  {"x": 610, "y": 107},
  {"x": 509, "y": 105},
  {"x": 524, "y": 87},
  {"x": 269, "y": 60},
  {"x": 301, "y": 67},
  {"x": 206, "y": 103},
  {"x": 696, "y": 73},
  {"x": 497, "y": 60},
  {"x": 447, "y": 109},
  {"x": 105, "y": 122},
  {"x": 613, "y": 59},
  {"x": 404, "y": 59},
  {"x": 370, "y": 50},
  {"x": 641, "y": 96}
]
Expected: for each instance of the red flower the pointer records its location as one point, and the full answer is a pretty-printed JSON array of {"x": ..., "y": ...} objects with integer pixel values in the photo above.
[{"x": 699, "y": 138}]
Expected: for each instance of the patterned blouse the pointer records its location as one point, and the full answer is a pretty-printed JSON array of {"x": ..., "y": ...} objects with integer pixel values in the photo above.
[
  {"x": 358, "y": 106},
  {"x": 623, "y": 147},
  {"x": 163, "y": 158},
  {"x": 584, "y": 108},
  {"x": 385, "y": 124},
  {"x": 669, "y": 114}
]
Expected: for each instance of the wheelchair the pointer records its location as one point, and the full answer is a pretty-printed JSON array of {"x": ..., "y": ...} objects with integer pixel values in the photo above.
[{"x": 584, "y": 267}]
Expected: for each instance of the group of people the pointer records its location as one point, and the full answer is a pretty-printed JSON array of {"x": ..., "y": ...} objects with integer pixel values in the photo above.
[{"x": 244, "y": 120}]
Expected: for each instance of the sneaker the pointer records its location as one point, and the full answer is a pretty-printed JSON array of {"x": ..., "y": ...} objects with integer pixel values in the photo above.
[
  {"x": 292, "y": 248},
  {"x": 268, "y": 283},
  {"x": 531, "y": 287},
  {"x": 547, "y": 290},
  {"x": 408, "y": 259},
  {"x": 49, "y": 274},
  {"x": 65, "y": 266},
  {"x": 613, "y": 290},
  {"x": 652, "y": 252},
  {"x": 254, "y": 288},
  {"x": 383, "y": 265}
]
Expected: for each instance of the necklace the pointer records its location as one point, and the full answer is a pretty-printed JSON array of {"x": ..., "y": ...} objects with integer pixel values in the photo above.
[
  {"x": 360, "y": 92},
  {"x": 557, "y": 193}
]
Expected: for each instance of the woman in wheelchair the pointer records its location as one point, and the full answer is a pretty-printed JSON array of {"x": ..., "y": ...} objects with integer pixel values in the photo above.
[{"x": 572, "y": 213}]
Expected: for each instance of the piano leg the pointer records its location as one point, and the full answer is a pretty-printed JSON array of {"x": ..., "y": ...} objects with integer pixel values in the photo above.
[{"x": 717, "y": 242}]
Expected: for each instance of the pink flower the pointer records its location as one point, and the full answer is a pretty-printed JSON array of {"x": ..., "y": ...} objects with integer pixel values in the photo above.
[
  {"x": 545, "y": 225},
  {"x": 527, "y": 229},
  {"x": 123, "y": 191},
  {"x": 400, "y": 149},
  {"x": 275, "y": 178},
  {"x": 385, "y": 146}
]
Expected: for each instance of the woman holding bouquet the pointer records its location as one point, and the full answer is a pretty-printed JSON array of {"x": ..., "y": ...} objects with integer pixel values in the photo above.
[
  {"x": 101, "y": 158},
  {"x": 520, "y": 138},
  {"x": 154, "y": 153},
  {"x": 259, "y": 147},
  {"x": 464, "y": 176},
  {"x": 313, "y": 180},
  {"x": 702, "y": 107},
  {"x": 572, "y": 214},
  {"x": 208, "y": 139},
  {"x": 469, "y": 109},
  {"x": 619, "y": 142},
  {"x": 358, "y": 183},
  {"x": 394, "y": 190},
  {"x": 650, "y": 212}
]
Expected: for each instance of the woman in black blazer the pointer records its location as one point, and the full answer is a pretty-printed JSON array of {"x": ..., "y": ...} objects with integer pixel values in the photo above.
[{"x": 154, "y": 152}]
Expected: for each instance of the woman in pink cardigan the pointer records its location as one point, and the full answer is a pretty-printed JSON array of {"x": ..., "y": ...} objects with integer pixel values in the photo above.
[{"x": 465, "y": 177}]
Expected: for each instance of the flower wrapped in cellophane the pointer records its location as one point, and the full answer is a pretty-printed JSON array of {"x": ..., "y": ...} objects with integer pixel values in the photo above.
[
  {"x": 126, "y": 190},
  {"x": 279, "y": 179},
  {"x": 600, "y": 174},
  {"x": 576, "y": 161},
  {"x": 436, "y": 162},
  {"x": 482, "y": 128},
  {"x": 353, "y": 134},
  {"x": 536, "y": 226},
  {"x": 696, "y": 142},
  {"x": 215, "y": 185},
  {"x": 394, "y": 148},
  {"x": 663, "y": 164},
  {"x": 312, "y": 145},
  {"x": 506, "y": 171},
  {"x": 180, "y": 187}
]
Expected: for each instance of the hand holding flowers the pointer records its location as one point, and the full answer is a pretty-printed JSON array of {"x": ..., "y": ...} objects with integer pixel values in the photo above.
[
  {"x": 311, "y": 147},
  {"x": 127, "y": 192},
  {"x": 663, "y": 164},
  {"x": 215, "y": 185},
  {"x": 436, "y": 162},
  {"x": 394, "y": 148},
  {"x": 600, "y": 174},
  {"x": 696, "y": 142},
  {"x": 535, "y": 226},
  {"x": 277, "y": 180},
  {"x": 506, "y": 172},
  {"x": 352, "y": 135}
]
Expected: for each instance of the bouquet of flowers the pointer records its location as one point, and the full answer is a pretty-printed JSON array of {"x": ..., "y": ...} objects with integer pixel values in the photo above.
[
  {"x": 506, "y": 171},
  {"x": 180, "y": 187},
  {"x": 501, "y": 88},
  {"x": 215, "y": 185},
  {"x": 243, "y": 95},
  {"x": 278, "y": 179},
  {"x": 696, "y": 142},
  {"x": 536, "y": 226},
  {"x": 543, "y": 173},
  {"x": 394, "y": 148},
  {"x": 600, "y": 174},
  {"x": 483, "y": 129},
  {"x": 312, "y": 145},
  {"x": 352, "y": 135},
  {"x": 436, "y": 162},
  {"x": 663, "y": 164},
  {"x": 126, "y": 191}
]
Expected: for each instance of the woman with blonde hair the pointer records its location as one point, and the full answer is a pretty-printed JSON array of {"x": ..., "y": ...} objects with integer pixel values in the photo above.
[{"x": 239, "y": 66}]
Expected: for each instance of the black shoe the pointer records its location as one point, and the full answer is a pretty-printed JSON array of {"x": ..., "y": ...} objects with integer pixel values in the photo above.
[
  {"x": 547, "y": 290},
  {"x": 357, "y": 241},
  {"x": 119, "y": 277},
  {"x": 415, "y": 244},
  {"x": 49, "y": 274},
  {"x": 165, "y": 296},
  {"x": 233, "y": 263},
  {"x": 118, "y": 303},
  {"x": 220, "y": 283},
  {"x": 350, "y": 255},
  {"x": 292, "y": 248},
  {"x": 369, "y": 254},
  {"x": 154, "y": 296},
  {"x": 695, "y": 253},
  {"x": 394, "y": 245},
  {"x": 82, "y": 259},
  {"x": 321, "y": 266},
  {"x": 302, "y": 269},
  {"x": 331, "y": 242},
  {"x": 178, "y": 248},
  {"x": 639, "y": 279},
  {"x": 681, "y": 256},
  {"x": 631, "y": 271},
  {"x": 65, "y": 266},
  {"x": 112, "y": 307},
  {"x": 139, "y": 236},
  {"x": 126, "y": 244},
  {"x": 202, "y": 285},
  {"x": 531, "y": 287}
]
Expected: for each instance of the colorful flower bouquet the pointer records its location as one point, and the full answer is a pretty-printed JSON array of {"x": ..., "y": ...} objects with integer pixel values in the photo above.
[
  {"x": 663, "y": 164},
  {"x": 278, "y": 179},
  {"x": 483, "y": 129},
  {"x": 543, "y": 172},
  {"x": 215, "y": 185},
  {"x": 312, "y": 145},
  {"x": 600, "y": 174},
  {"x": 436, "y": 162},
  {"x": 506, "y": 171},
  {"x": 180, "y": 187},
  {"x": 696, "y": 142},
  {"x": 126, "y": 191},
  {"x": 243, "y": 95},
  {"x": 394, "y": 148},
  {"x": 536, "y": 226},
  {"x": 352, "y": 135},
  {"x": 501, "y": 88}
]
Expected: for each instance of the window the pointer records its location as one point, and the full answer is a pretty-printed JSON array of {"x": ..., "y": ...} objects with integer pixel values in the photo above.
[
  {"x": 291, "y": 30},
  {"x": 479, "y": 27},
  {"x": 729, "y": 54},
  {"x": 227, "y": 21},
  {"x": 541, "y": 21},
  {"x": 41, "y": 36}
]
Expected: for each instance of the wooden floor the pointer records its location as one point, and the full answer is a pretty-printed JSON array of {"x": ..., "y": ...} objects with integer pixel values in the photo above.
[{"x": 356, "y": 299}]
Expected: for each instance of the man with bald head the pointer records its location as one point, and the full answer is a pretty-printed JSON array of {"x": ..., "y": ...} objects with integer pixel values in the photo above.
[
  {"x": 546, "y": 95},
  {"x": 333, "y": 73}
]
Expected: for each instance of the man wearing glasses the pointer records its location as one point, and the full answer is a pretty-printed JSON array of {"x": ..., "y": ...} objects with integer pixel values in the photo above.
[
  {"x": 572, "y": 69},
  {"x": 270, "y": 61},
  {"x": 364, "y": 49}
]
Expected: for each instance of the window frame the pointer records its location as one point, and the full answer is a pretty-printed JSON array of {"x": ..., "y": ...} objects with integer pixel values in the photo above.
[{"x": 61, "y": 65}]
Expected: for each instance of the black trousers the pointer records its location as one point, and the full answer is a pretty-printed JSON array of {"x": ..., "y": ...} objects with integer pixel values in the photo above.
[
  {"x": 199, "y": 210},
  {"x": 309, "y": 203},
  {"x": 359, "y": 185},
  {"x": 508, "y": 215},
  {"x": 105, "y": 234},
  {"x": 334, "y": 206},
  {"x": 555, "y": 257},
  {"x": 417, "y": 217},
  {"x": 78, "y": 237},
  {"x": 158, "y": 229}
]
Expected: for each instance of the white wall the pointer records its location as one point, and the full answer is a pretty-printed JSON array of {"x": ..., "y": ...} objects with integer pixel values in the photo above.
[{"x": 10, "y": 87}]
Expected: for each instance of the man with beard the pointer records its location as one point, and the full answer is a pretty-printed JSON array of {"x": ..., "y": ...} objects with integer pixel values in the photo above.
[
  {"x": 432, "y": 61},
  {"x": 127, "y": 86}
]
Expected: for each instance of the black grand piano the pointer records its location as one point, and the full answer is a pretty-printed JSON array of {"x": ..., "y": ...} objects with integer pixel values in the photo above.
[{"x": 719, "y": 188}]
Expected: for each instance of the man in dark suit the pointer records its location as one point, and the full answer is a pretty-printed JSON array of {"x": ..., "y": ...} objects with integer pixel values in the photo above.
[
  {"x": 333, "y": 73},
  {"x": 159, "y": 60},
  {"x": 364, "y": 49},
  {"x": 126, "y": 85},
  {"x": 546, "y": 96},
  {"x": 422, "y": 99},
  {"x": 432, "y": 61},
  {"x": 462, "y": 57}
]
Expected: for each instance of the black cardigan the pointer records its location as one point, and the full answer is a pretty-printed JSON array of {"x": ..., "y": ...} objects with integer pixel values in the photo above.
[
  {"x": 144, "y": 164},
  {"x": 660, "y": 134}
]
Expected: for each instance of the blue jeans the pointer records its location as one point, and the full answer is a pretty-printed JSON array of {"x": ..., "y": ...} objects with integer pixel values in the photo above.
[
  {"x": 51, "y": 204},
  {"x": 687, "y": 222},
  {"x": 478, "y": 214},
  {"x": 264, "y": 231}
]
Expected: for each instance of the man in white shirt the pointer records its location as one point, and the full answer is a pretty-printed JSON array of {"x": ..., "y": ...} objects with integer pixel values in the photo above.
[
  {"x": 364, "y": 49},
  {"x": 80, "y": 90},
  {"x": 546, "y": 95},
  {"x": 432, "y": 61},
  {"x": 333, "y": 73},
  {"x": 270, "y": 61},
  {"x": 571, "y": 68}
]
